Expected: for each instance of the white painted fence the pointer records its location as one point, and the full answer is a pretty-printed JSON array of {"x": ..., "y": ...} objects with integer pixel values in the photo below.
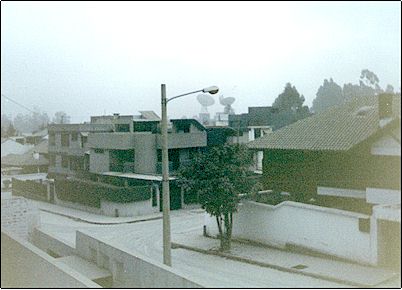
[{"x": 326, "y": 230}]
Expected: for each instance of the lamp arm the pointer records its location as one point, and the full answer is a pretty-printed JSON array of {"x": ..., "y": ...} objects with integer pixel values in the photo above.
[{"x": 172, "y": 98}]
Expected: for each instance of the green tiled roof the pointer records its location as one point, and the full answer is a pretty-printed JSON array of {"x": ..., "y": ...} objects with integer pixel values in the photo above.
[{"x": 338, "y": 128}]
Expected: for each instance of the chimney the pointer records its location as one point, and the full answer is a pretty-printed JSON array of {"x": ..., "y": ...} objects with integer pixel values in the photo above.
[{"x": 385, "y": 108}]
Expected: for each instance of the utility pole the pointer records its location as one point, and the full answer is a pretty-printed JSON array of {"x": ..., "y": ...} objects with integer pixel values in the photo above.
[{"x": 167, "y": 259}]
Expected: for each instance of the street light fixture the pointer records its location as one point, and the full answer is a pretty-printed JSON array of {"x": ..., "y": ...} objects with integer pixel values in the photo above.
[{"x": 167, "y": 258}]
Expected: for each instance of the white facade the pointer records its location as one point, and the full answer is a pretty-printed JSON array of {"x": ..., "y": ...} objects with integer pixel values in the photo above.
[{"x": 259, "y": 155}]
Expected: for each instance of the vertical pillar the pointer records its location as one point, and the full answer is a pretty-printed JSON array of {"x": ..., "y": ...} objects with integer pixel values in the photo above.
[{"x": 165, "y": 182}]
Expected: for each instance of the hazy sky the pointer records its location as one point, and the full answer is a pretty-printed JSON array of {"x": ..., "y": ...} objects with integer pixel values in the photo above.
[{"x": 95, "y": 58}]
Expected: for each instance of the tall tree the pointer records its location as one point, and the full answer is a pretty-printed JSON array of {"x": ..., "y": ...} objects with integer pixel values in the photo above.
[
  {"x": 289, "y": 99},
  {"x": 290, "y": 107},
  {"x": 218, "y": 177},
  {"x": 328, "y": 95}
]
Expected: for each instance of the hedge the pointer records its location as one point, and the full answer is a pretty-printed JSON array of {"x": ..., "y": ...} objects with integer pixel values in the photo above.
[
  {"x": 29, "y": 188},
  {"x": 91, "y": 193}
]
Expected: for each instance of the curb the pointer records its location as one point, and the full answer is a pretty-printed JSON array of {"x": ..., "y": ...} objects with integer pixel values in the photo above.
[
  {"x": 100, "y": 223},
  {"x": 272, "y": 266}
]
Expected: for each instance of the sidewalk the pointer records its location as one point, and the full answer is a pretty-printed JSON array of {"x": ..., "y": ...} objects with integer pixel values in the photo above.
[
  {"x": 92, "y": 218},
  {"x": 320, "y": 268}
]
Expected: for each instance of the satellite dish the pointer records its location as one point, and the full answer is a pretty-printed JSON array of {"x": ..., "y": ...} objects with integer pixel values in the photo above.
[
  {"x": 205, "y": 101},
  {"x": 227, "y": 102}
]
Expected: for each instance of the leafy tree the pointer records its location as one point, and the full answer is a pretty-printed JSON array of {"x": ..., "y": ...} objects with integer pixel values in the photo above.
[
  {"x": 5, "y": 123},
  {"x": 61, "y": 117},
  {"x": 368, "y": 86},
  {"x": 328, "y": 95},
  {"x": 31, "y": 122},
  {"x": 218, "y": 177},
  {"x": 389, "y": 89}
]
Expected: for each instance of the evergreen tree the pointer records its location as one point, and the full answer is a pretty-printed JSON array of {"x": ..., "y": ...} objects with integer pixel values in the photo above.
[{"x": 328, "y": 95}]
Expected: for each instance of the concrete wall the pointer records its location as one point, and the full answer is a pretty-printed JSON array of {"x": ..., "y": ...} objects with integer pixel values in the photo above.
[
  {"x": 128, "y": 209},
  {"x": 326, "y": 230},
  {"x": 46, "y": 242},
  {"x": 25, "y": 266},
  {"x": 19, "y": 216},
  {"x": 130, "y": 269},
  {"x": 76, "y": 205},
  {"x": 145, "y": 153},
  {"x": 109, "y": 208},
  {"x": 115, "y": 140},
  {"x": 99, "y": 162},
  {"x": 383, "y": 196},
  {"x": 184, "y": 140}
]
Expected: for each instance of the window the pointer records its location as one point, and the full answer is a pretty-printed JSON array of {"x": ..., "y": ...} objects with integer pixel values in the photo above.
[
  {"x": 64, "y": 161},
  {"x": 52, "y": 139},
  {"x": 65, "y": 140},
  {"x": 257, "y": 133},
  {"x": 99, "y": 151},
  {"x": 122, "y": 127},
  {"x": 74, "y": 136}
]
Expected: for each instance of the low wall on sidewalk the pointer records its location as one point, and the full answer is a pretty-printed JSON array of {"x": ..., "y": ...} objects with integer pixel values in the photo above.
[
  {"x": 25, "y": 266},
  {"x": 51, "y": 245},
  {"x": 130, "y": 269},
  {"x": 320, "y": 229}
]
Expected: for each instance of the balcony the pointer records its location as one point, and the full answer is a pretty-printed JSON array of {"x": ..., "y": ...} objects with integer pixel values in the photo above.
[
  {"x": 184, "y": 140},
  {"x": 114, "y": 140}
]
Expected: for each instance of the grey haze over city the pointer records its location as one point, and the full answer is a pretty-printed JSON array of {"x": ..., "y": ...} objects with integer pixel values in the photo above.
[{"x": 102, "y": 58}]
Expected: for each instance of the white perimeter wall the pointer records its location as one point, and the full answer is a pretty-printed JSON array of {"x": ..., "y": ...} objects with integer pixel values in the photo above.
[
  {"x": 130, "y": 269},
  {"x": 321, "y": 229},
  {"x": 25, "y": 266}
]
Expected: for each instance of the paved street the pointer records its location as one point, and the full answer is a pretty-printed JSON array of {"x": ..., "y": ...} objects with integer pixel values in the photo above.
[{"x": 211, "y": 271}]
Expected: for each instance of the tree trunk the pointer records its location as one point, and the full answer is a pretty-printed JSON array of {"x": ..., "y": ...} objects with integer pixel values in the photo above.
[
  {"x": 225, "y": 245},
  {"x": 220, "y": 235}
]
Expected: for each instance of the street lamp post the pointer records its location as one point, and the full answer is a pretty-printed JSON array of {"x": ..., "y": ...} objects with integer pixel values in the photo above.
[{"x": 167, "y": 258}]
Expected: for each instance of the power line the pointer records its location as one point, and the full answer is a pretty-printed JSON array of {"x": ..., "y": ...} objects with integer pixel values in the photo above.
[{"x": 15, "y": 102}]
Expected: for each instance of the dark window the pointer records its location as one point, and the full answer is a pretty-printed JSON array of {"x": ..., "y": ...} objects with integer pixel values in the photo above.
[
  {"x": 122, "y": 128},
  {"x": 65, "y": 140},
  {"x": 64, "y": 161},
  {"x": 74, "y": 136},
  {"x": 99, "y": 151},
  {"x": 257, "y": 133}
]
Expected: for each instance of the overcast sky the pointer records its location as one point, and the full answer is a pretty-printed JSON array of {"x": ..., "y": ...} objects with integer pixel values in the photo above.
[{"x": 95, "y": 58}]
